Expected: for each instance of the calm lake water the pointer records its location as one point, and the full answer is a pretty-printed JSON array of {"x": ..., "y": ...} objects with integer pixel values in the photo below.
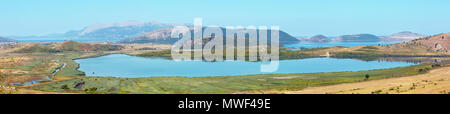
[
  {"x": 306, "y": 44},
  {"x": 120, "y": 65}
]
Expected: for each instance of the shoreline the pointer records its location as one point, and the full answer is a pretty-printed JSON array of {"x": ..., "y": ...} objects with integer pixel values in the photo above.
[{"x": 243, "y": 75}]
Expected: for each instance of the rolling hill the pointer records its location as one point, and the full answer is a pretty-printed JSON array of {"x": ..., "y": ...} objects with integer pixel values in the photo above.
[
  {"x": 163, "y": 37},
  {"x": 432, "y": 46},
  {"x": 68, "y": 46},
  {"x": 357, "y": 38},
  {"x": 2, "y": 39},
  {"x": 108, "y": 31},
  {"x": 317, "y": 38},
  {"x": 401, "y": 37}
]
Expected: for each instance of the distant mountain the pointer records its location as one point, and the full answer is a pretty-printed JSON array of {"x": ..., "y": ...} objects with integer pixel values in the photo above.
[
  {"x": 159, "y": 36},
  {"x": 316, "y": 38},
  {"x": 2, "y": 39},
  {"x": 120, "y": 30},
  {"x": 402, "y": 36},
  {"x": 163, "y": 37},
  {"x": 357, "y": 38}
]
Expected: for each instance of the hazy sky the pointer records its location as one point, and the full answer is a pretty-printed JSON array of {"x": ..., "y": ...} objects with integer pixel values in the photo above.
[{"x": 297, "y": 17}]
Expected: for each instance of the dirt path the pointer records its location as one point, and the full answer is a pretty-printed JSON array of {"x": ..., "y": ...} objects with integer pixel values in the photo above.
[{"x": 435, "y": 82}]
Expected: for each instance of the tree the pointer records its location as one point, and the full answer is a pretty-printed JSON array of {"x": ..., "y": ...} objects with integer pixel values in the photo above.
[
  {"x": 1, "y": 75},
  {"x": 65, "y": 87}
]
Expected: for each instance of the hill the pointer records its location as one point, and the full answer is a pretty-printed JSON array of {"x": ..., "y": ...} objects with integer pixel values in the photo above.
[
  {"x": 433, "y": 46},
  {"x": 317, "y": 38},
  {"x": 108, "y": 31},
  {"x": 68, "y": 46},
  {"x": 357, "y": 38},
  {"x": 2, "y": 39},
  {"x": 163, "y": 37},
  {"x": 401, "y": 37},
  {"x": 159, "y": 36},
  {"x": 78, "y": 46}
]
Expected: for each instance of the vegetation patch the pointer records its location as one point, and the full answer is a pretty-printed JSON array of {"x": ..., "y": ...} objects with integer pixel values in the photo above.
[{"x": 224, "y": 84}]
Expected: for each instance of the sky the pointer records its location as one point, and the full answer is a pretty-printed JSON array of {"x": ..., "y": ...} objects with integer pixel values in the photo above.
[{"x": 297, "y": 17}]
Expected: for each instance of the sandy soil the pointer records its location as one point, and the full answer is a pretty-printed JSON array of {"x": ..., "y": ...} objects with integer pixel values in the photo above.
[{"x": 435, "y": 82}]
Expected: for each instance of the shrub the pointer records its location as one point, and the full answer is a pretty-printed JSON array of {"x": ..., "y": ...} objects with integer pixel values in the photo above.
[
  {"x": 367, "y": 76},
  {"x": 65, "y": 87}
]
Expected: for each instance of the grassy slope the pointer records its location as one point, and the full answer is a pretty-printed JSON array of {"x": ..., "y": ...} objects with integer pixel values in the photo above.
[
  {"x": 418, "y": 47},
  {"x": 225, "y": 84},
  {"x": 22, "y": 68}
]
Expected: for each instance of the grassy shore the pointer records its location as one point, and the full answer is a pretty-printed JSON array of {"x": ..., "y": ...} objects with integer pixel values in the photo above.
[{"x": 225, "y": 84}]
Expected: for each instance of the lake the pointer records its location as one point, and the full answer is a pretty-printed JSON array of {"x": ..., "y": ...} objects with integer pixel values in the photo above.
[
  {"x": 306, "y": 44},
  {"x": 125, "y": 66}
]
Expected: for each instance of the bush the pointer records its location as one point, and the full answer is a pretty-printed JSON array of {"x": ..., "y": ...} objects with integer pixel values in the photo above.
[
  {"x": 367, "y": 76},
  {"x": 435, "y": 65},
  {"x": 93, "y": 89},
  {"x": 65, "y": 87}
]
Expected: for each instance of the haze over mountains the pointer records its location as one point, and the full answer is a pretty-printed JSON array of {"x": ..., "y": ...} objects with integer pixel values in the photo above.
[
  {"x": 2, "y": 39},
  {"x": 117, "y": 30},
  {"x": 402, "y": 36},
  {"x": 357, "y": 38},
  {"x": 397, "y": 37},
  {"x": 154, "y": 32},
  {"x": 164, "y": 36},
  {"x": 133, "y": 32},
  {"x": 317, "y": 38}
]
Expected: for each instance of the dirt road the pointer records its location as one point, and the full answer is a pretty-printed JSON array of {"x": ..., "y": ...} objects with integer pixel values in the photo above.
[{"x": 435, "y": 82}]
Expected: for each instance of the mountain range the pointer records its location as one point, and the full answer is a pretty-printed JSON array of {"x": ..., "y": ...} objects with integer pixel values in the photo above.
[
  {"x": 402, "y": 36},
  {"x": 164, "y": 36},
  {"x": 2, "y": 39},
  {"x": 124, "y": 30},
  {"x": 154, "y": 32},
  {"x": 317, "y": 38},
  {"x": 357, "y": 38},
  {"x": 108, "y": 31}
]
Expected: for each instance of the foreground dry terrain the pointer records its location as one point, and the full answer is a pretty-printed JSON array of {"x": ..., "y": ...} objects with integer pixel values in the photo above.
[{"x": 435, "y": 82}]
